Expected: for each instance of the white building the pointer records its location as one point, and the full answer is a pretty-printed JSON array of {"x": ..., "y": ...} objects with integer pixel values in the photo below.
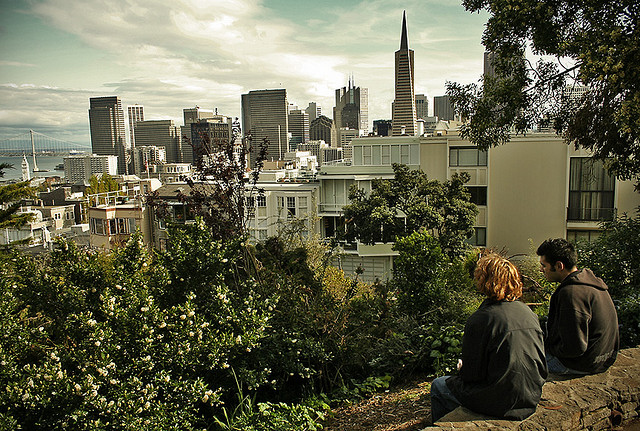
[{"x": 78, "y": 169}]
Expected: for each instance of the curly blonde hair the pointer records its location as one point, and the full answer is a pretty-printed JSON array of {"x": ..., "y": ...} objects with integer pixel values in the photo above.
[{"x": 497, "y": 278}]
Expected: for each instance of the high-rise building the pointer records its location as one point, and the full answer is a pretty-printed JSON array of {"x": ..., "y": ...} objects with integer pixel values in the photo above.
[
  {"x": 160, "y": 133},
  {"x": 135, "y": 113},
  {"x": 78, "y": 169},
  {"x": 193, "y": 115},
  {"x": 108, "y": 133},
  {"x": 265, "y": 115},
  {"x": 488, "y": 68},
  {"x": 404, "y": 106},
  {"x": 219, "y": 131},
  {"x": 422, "y": 106},
  {"x": 314, "y": 111},
  {"x": 298, "y": 128},
  {"x": 323, "y": 128},
  {"x": 352, "y": 108},
  {"x": 147, "y": 156},
  {"x": 382, "y": 127},
  {"x": 442, "y": 108}
]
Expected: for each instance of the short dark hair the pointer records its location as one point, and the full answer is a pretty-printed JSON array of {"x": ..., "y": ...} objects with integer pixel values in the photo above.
[{"x": 558, "y": 250}]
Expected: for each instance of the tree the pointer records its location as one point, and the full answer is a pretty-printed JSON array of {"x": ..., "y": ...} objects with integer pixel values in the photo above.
[
  {"x": 596, "y": 44},
  {"x": 11, "y": 196},
  {"x": 221, "y": 187},
  {"x": 410, "y": 202}
]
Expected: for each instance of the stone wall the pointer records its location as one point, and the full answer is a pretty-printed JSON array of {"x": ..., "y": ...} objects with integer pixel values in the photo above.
[{"x": 586, "y": 403}]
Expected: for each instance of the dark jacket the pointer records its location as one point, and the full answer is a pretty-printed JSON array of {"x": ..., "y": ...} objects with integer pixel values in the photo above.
[
  {"x": 503, "y": 363},
  {"x": 582, "y": 330}
]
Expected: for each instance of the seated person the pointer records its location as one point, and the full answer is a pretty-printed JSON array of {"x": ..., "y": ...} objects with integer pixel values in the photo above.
[
  {"x": 503, "y": 364},
  {"x": 582, "y": 330}
]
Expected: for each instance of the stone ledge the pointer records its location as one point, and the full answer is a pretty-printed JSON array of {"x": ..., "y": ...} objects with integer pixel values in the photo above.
[{"x": 586, "y": 403}]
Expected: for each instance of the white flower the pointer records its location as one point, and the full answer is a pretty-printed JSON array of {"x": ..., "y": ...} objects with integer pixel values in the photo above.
[
  {"x": 78, "y": 387},
  {"x": 91, "y": 322},
  {"x": 183, "y": 316},
  {"x": 162, "y": 325},
  {"x": 97, "y": 343},
  {"x": 60, "y": 375}
]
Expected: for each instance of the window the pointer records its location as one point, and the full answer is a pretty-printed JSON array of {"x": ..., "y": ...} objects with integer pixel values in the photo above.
[
  {"x": 479, "y": 237},
  {"x": 386, "y": 155},
  {"x": 291, "y": 206},
  {"x": 132, "y": 225},
  {"x": 582, "y": 235},
  {"x": 112, "y": 226},
  {"x": 478, "y": 195},
  {"x": 122, "y": 225},
  {"x": 591, "y": 190},
  {"x": 467, "y": 156},
  {"x": 96, "y": 226}
]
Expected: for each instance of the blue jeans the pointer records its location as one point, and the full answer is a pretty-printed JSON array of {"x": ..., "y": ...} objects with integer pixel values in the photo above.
[
  {"x": 556, "y": 367},
  {"x": 442, "y": 400}
]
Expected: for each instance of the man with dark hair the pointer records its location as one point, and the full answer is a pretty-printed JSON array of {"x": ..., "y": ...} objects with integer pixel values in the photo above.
[{"x": 582, "y": 330}]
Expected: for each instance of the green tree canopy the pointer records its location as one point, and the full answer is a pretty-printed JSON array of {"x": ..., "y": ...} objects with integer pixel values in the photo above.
[
  {"x": 596, "y": 44},
  {"x": 11, "y": 196},
  {"x": 410, "y": 202}
]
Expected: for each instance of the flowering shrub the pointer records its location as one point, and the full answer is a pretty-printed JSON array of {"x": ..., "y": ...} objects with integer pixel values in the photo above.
[{"x": 91, "y": 340}]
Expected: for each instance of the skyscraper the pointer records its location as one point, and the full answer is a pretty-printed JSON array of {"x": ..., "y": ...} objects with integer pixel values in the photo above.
[
  {"x": 422, "y": 106},
  {"x": 265, "y": 114},
  {"x": 404, "y": 106},
  {"x": 323, "y": 128},
  {"x": 160, "y": 133},
  {"x": 352, "y": 108},
  {"x": 314, "y": 111},
  {"x": 298, "y": 128},
  {"x": 442, "y": 108},
  {"x": 108, "y": 133},
  {"x": 135, "y": 113}
]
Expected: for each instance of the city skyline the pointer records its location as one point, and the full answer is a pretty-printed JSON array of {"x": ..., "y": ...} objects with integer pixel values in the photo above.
[{"x": 174, "y": 55}]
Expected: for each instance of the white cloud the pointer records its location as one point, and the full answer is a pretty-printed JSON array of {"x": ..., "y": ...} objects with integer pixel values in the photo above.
[{"x": 172, "y": 54}]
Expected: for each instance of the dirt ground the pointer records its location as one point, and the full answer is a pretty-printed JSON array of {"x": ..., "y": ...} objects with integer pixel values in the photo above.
[{"x": 403, "y": 408}]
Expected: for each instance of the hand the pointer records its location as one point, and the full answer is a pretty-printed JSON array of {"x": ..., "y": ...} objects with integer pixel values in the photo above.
[{"x": 459, "y": 364}]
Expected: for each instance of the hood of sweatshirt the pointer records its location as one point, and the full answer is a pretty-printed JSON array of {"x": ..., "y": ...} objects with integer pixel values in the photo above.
[{"x": 584, "y": 277}]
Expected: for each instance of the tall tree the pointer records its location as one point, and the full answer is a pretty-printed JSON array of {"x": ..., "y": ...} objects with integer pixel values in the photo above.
[
  {"x": 410, "y": 202},
  {"x": 11, "y": 196},
  {"x": 595, "y": 44}
]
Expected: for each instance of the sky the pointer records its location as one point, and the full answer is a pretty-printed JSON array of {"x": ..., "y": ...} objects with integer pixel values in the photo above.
[{"x": 173, "y": 54}]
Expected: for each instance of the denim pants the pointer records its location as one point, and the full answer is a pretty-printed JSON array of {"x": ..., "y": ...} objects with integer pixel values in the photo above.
[
  {"x": 554, "y": 366},
  {"x": 442, "y": 400}
]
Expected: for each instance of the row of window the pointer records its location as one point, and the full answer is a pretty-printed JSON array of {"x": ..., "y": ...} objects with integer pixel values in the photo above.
[{"x": 113, "y": 226}]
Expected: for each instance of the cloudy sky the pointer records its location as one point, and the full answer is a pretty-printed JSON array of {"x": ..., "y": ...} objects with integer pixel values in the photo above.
[{"x": 173, "y": 54}]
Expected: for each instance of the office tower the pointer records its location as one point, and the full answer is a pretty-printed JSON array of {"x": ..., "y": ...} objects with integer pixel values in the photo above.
[
  {"x": 382, "y": 127},
  {"x": 219, "y": 131},
  {"x": 193, "y": 115},
  {"x": 79, "y": 169},
  {"x": 265, "y": 115},
  {"x": 108, "y": 133},
  {"x": 442, "y": 108},
  {"x": 147, "y": 156},
  {"x": 323, "y": 128},
  {"x": 404, "y": 106},
  {"x": 135, "y": 113},
  {"x": 422, "y": 106},
  {"x": 488, "y": 64},
  {"x": 352, "y": 108},
  {"x": 298, "y": 128},
  {"x": 314, "y": 111},
  {"x": 160, "y": 133}
]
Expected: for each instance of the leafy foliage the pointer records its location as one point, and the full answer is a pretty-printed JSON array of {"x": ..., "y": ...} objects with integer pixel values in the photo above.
[
  {"x": 220, "y": 187},
  {"x": 409, "y": 202},
  {"x": 599, "y": 43},
  {"x": 11, "y": 196},
  {"x": 614, "y": 256}
]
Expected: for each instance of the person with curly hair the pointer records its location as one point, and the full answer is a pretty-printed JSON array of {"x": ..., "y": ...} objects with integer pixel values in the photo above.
[{"x": 503, "y": 363}]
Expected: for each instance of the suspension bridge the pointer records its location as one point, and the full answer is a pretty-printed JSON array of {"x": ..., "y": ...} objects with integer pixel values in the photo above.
[{"x": 33, "y": 143}]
